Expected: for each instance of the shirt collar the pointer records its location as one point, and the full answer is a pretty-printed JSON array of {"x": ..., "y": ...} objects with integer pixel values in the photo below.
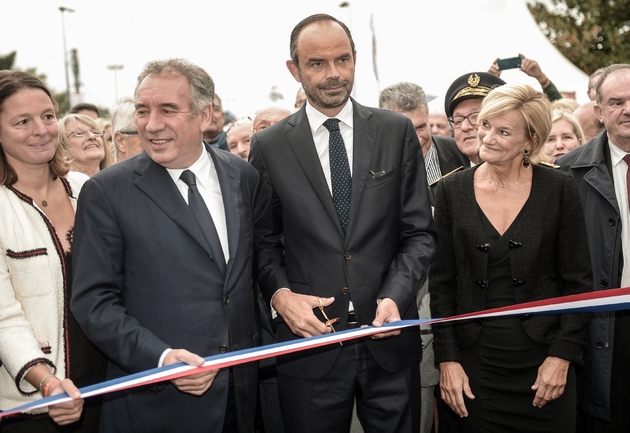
[
  {"x": 616, "y": 154},
  {"x": 316, "y": 119},
  {"x": 201, "y": 168}
]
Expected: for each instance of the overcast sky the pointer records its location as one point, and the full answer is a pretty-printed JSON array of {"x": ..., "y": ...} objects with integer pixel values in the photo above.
[{"x": 244, "y": 44}]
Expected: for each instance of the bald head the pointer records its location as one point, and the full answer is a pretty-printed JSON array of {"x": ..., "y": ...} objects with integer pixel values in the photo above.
[
  {"x": 591, "y": 125},
  {"x": 268, "y": 116}
]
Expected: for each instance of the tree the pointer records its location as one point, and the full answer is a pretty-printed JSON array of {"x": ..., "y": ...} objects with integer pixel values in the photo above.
[
  {"x": 590, "y": 33},
  {"x": 7, "y": 61}
]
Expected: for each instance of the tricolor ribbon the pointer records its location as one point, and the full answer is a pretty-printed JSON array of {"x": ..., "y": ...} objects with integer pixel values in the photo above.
[{"x": 604, "y": 300}]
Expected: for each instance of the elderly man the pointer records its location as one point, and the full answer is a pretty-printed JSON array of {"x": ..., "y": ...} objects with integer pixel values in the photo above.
[
  {"x": 214, "y": 134},
  {"x": 239, "y": 137},
  {"x": 601, "y": 169},
  {"x": 344, "y": 234},
  {"x": 438, "y": 122},
  {"x": 265, "y": 117},
  {"x": 441, "y": 155},
  {"x": 163, "y": 263},
  {"x": 462, "y": 105},
  {"x": 589, "y": 121},
  {"x": 124, "y": 132}
]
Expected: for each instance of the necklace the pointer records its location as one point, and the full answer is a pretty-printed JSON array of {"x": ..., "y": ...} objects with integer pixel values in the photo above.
[
  {"x": 44, "y": 203},
  {"x": 503, "y": 185}
]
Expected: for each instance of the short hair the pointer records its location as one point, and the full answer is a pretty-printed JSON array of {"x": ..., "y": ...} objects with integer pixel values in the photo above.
[
  {"x": 532, "y": 104},
  {"x": 123, "y": 119},
  {"x": 611, "y": 70},
  {"x": 92, "y": 123},
  {"x": 403, "y": 97},
  {"x": 575, "y": 124},
  {"x": 565, "y": 104},
  {"x": 201, "y": 86},
  {"x": 593, "y": 76},
  {"x": 11, "y": 82},
  {"x": 85, "y": 106},
  {"x": 310, "y": 20}
]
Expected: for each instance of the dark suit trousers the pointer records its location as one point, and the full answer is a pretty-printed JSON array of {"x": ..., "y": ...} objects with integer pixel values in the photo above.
[{"x": 386, "y": 402}]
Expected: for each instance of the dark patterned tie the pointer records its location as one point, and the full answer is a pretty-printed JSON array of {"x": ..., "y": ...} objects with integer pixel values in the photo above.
[
  {"x": 339, "y": 172},
  {"x": 201, "y": 213}
]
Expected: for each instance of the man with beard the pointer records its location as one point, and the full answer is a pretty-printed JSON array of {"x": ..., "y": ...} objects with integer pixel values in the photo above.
[{"x": 343, "y": 235}]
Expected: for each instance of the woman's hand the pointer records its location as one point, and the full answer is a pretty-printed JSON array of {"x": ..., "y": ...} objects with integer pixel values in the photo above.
[
  {"x": 70, "y": 411},
  {"x": 453, "y": 385},
  {"x": 551, "y": 379}
]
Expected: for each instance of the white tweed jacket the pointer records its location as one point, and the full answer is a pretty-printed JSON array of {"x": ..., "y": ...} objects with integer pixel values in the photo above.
[{"x": 33, "y": 312}]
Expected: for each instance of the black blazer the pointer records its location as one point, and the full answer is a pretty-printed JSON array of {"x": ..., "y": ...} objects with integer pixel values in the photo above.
[
  {"x": 389, "y": 243},
  {"x": 549, "y": 258},
  {"x": 449, "y": 155},
  {"x": 145, "y": 281}
]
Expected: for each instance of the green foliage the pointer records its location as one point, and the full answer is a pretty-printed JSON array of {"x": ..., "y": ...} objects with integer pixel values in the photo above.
[
  {"x": 590, "y": 33},
  {"x": 7, "y": 61}
]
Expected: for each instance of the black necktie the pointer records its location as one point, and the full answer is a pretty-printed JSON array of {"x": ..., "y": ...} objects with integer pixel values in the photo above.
[
  {"x": 339, "y": 172},
  {"x": 201, "y": 213}
]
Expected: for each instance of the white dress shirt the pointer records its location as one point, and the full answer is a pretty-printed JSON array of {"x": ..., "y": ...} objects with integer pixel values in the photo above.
[{"x": 620, "y": 168}]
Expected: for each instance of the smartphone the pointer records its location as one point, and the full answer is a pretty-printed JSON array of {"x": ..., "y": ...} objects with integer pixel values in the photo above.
[{"x": 509, "y": 63}]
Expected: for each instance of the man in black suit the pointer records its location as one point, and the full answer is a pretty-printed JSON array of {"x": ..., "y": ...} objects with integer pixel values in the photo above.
[
  {"x": 162, "y": 258},
  {"x": 343, "y": 226},
  {"x": 441, "y": 155}
]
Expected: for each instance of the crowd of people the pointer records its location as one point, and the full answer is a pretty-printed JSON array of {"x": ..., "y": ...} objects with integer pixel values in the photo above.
[{"x": 163, "y": 235}]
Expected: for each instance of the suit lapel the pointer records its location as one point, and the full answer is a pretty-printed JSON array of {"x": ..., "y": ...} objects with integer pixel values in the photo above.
[
  {"x": 230, "y": 188},
  {"x": 301, "y": 142},
  {"x": 157, "y": 184},
  {"x": 364, "y": 142}
]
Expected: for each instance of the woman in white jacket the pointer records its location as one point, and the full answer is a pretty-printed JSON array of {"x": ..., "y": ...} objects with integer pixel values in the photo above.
[{"x": 42, "y": 349}]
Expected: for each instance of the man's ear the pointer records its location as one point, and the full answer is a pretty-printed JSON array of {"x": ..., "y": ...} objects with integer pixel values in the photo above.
[
  {"x": 293, "y": 68},
  {"x": 119, "y": 141},
  {"x": 598, "y": 112},
  {"x": 206, "y": 117}
]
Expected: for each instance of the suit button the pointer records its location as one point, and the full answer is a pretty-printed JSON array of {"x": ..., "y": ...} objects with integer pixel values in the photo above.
[
  {"x": 226, "y": 300},
  {"x": 603, "y": 284},
  {"x": 599, "y": 344},
  {"x": 223, "y": 348},
  {"x": 345, "y": 290},
  {"x": 482, "y": 284},
  {"x": 347, "y": 256},
  {"x": 611, "y": 222}
]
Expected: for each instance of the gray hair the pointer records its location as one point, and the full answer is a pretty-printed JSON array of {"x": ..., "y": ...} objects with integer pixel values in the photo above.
[
  {"x": 123, "y": 119},
  {"x": 200, "y": 83},
  {"x": 403, "y": 97},
  {"x": 611, "y": 70}
]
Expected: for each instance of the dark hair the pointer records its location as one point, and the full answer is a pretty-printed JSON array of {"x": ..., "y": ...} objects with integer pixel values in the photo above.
[
  {"x": 310, "y": 20},
  {"x": 200, "y": 84},
  {"x": 11, "y": 82},
  {"x": 85, "y": 106},
  {"x": 612, "y": 69}
]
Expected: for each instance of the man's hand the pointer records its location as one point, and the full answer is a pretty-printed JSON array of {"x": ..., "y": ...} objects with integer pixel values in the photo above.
[
  {"x": 453, "y": 385},
  {"x": 494, "y": 69},
  {"x": 386, "y": 312},
  {"x": 195, "y": 384},
  {"x": 551, "y": 379},
  {"x": 70, "y": 411},
  {"x": 532, "y": 68},
  {"x": 297, "y": 312}
]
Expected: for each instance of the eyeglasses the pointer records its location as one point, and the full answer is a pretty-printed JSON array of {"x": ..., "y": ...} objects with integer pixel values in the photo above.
[
  {"x": 456, "y": 122},
  {"x": 237, "y": 123},
  {"x": 81, "y": 134},
  {"x": 129, "y": 132}
]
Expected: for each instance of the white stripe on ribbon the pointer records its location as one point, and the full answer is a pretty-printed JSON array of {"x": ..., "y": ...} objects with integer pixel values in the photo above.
[{"x": 605, "y": 300}]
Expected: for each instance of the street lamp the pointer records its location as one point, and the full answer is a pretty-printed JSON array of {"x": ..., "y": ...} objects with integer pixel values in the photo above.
[
  {"x": 63, "y": 9},
  {"x": 115, "y": 68}
]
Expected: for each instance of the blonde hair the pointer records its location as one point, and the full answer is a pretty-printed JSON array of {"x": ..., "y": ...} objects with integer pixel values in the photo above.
[
  {"x": 92, "y": 123},
  {"x": 575, "y": 124},
  {"x": 532, "y": 104}
]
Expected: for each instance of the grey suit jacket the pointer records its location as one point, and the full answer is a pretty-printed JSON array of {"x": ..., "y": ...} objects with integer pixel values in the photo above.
[
  {"x": 145, "y": 280},
  {"x": 299, "y": 242}
]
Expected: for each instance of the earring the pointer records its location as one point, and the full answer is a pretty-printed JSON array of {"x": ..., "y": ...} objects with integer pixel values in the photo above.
[{"x": 525, "y": 158}]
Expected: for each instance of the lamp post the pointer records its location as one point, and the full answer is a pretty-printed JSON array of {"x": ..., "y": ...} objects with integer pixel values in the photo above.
[
  {"x": 63, "y": 9},
  {"x": 115, "y": 68}
]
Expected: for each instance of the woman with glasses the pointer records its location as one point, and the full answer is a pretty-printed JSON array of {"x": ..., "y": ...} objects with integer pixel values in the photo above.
[
  {"x": 82, "y": 139},
  {"x": 510, "y": 231},
  {"x": 42, "y": 350}
]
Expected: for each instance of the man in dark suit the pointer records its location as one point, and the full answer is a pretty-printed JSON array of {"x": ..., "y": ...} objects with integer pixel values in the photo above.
[
  {"x": 343, "y": 229},
  {"x": 162, "y": 259},
  {"x": 441, "y": 155}
]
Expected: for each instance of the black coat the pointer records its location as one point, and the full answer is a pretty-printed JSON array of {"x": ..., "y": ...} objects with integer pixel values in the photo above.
[{"x": 550, "y": 258}]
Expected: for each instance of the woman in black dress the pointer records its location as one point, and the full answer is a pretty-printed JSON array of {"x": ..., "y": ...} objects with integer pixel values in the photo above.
[{"x": 510, "y": 231}]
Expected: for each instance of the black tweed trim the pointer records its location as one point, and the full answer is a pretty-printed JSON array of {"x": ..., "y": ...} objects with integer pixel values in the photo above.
[
  {"x": 20, "y": 376},
  {"x": 26, "y": 254}
]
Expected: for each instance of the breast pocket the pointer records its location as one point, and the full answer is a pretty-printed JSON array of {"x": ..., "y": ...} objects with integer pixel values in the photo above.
[
  {"x": 30, "y": 269},
  {"x": 381, "y": 177}
]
